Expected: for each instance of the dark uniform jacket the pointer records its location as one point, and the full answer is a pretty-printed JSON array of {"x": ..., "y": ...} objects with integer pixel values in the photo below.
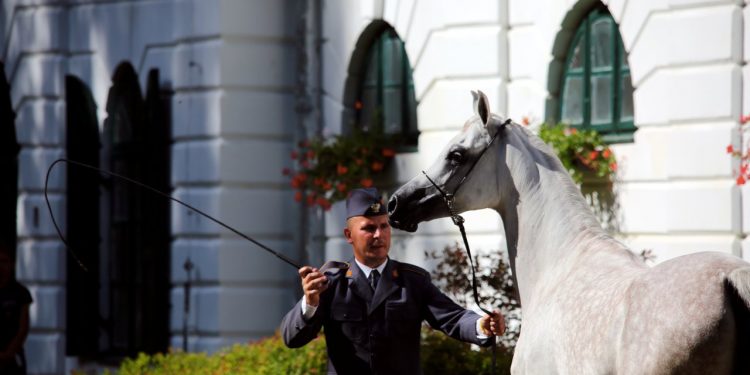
[{"x": 379, "y": 333}]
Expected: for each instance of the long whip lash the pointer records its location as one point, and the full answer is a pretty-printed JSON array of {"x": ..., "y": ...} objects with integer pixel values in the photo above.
[{"x": 157, "y": 192}]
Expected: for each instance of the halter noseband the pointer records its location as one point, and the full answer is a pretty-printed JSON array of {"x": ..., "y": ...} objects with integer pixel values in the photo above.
[{"x": 449, "y": 198}]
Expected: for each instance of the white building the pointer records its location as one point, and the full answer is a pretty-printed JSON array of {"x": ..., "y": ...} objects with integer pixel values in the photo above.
[{"x": 239, "y": 82}]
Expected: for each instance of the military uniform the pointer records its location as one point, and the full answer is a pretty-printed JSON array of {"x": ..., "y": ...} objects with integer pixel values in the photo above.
[{"x": 379, "y": 332}]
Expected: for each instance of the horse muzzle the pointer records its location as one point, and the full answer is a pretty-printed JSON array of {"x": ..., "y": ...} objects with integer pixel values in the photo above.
[{"x": 394, "y": 217}]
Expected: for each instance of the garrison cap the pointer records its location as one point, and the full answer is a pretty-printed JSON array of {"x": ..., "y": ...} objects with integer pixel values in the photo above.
[{"x": 364, "y": 202}]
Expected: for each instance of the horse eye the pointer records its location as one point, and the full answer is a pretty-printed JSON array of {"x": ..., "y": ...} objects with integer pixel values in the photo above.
[{"x": 455, "y": 157}]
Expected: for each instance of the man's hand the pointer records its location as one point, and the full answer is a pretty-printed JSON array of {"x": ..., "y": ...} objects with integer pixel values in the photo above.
[
  {"x": 313, "y": 283},
  {"x": 493, "y": 324}
]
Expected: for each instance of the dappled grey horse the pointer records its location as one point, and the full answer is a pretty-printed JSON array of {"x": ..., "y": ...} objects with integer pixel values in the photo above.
[{"x": 590, "y": 306}]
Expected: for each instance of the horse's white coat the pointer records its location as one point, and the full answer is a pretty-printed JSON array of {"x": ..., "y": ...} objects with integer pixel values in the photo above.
[{"x": 590, "y": 306}]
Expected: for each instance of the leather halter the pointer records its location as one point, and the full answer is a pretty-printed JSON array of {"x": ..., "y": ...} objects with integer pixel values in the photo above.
[{"x": 458, "y": 220}]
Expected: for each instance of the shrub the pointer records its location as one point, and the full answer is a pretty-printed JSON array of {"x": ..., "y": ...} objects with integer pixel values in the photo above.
[
  {"x": 268, "y": 356},
  {"x": 444, "y": 355},
  {"x": 496, "y": 288}
]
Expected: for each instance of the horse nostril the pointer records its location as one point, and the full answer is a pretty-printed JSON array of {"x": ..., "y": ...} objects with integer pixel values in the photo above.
[{"x": 392, "y": 204}]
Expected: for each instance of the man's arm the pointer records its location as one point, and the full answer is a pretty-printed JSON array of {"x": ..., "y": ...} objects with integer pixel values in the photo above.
[
  {"x": 297, "y": 329},
  {"x": 456, "y": 321}
]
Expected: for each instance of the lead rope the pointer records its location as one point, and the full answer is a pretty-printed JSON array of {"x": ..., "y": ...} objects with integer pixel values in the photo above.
[
  {"x": 157, "y": 192},
  {"x": 458, "y": 220}
]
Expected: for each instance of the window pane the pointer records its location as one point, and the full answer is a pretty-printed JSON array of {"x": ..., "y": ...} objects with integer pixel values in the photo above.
[
  {"x": 368, "y": 116},
  {"x": 626, "y": 99},
  {"x": 392, "y": 110},
  {"x": 393, "y": 60},
  {"x": 576, "y": 59},
  {"x": 572, "y": 110},
  {"x": 601, "y": 99},
  {"x": 601, "y": 43}
]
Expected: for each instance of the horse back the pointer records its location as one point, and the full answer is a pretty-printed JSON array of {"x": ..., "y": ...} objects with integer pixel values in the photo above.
[{"x": 685, "y": 317}]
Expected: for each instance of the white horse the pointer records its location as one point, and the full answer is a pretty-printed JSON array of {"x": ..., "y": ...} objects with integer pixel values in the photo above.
[{"x": 590, "y": 306}]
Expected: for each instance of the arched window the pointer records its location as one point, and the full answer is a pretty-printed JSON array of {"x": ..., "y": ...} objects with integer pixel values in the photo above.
[
  {"x": 82, "y": 221},
  {"x": 597, "y": 92},
  {"x": 120, "y": 232},
  {"x": 385, "y": 99},
  {"x": 136, "y": 140}
]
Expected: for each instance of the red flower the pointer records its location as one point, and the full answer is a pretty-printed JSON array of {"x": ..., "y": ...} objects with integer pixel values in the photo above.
[
  {"x": 318, "y": 181},
  {"x": 525, "y": 121},
  {"x": 341, "y": 187},
  {"x": 311, "y": 199},
  {"x": 327, "y": 186},
  {"x": 741, "y": 180},
  {"x": 298, "y": 196},
  {"x": 573, "y": 130},
  {"x": 366, "y": 182},
  {"x": 358, "y": 105},
  {"x": 358, "y": 161},
  {"x": 606, "y": 153},
  {"x": 294, "y": 154},
  {"x": 340, "y": 169},
  {"x": 744, "y": 119},
  {"x": 730, "y": 149},
  {"x": 324, "y": 203},
  {"x": 593, "y": 155},
  {"x": 286, "y": 171},
  {"x": 388, "y": 152},
  {"x": 743, "y": 169},
  {"x": 310, "y": 154},
  {"x": 295, "y": 183},
  {"x": 301, "y": 177},
  {"x": 377, "y": 166},
  {"x": 613, "y": 166},
  {"x": 305, "y": 164}
]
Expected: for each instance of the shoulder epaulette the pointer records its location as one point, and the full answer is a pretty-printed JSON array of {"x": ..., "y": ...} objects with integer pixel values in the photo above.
[
  {"x": 333, "y": 268},
  {"x": 414, "y": 269}
]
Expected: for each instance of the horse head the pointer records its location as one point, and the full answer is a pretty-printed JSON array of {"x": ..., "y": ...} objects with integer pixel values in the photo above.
[{"x": 461, "y": 170}]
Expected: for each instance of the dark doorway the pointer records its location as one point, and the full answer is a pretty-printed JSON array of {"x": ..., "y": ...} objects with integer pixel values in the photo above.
[{"x": 9, "y": 149}]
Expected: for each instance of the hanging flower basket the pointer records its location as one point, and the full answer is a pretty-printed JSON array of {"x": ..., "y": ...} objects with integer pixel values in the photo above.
[
  {"x": 582, "y": 152},
  {"x": 327, "y": 170}
]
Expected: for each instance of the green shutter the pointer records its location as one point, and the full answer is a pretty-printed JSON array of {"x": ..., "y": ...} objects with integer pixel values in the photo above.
[
  {"x": 386, "y": 99},
  {"x": 596, "y": 89}
]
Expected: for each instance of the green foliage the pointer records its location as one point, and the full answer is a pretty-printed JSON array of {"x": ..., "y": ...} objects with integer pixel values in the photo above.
[
  {"x": 265, "y": 357},
  {"x": 452, "y": 274},
  {"x": 327, "y": 170},
  {"x": 440, "y": 355},
  {"x": 443, "y": 355},
  {"x": 580, "y": 151}
]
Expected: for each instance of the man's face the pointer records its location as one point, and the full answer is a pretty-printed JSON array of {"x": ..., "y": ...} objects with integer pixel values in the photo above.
[{"x": 370, "y": 238}]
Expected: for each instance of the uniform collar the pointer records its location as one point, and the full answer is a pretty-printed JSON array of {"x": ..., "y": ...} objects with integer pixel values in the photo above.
[{"x": 366, "y": 270}]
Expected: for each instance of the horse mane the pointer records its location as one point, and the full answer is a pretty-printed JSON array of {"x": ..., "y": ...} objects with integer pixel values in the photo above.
[{"x": 555, "y": 188}]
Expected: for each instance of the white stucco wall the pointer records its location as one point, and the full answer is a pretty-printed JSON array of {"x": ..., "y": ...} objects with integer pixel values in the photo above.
[{"x": 231, "y": 66}]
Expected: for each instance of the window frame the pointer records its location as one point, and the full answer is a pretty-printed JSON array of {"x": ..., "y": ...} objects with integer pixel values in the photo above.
[
  {"x": 376, "y": 52},
  {"x": 617, "y": 130}
]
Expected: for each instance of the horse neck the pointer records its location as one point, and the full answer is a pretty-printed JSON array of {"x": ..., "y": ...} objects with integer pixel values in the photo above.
[{"x": 548, "y": 224}]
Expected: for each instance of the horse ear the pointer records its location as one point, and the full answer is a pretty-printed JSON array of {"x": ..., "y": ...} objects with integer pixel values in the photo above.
[{"x": 481, "y": 106}]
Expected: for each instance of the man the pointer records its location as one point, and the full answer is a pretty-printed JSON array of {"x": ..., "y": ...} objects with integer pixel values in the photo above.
[{"x": 373, "y": 308}]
